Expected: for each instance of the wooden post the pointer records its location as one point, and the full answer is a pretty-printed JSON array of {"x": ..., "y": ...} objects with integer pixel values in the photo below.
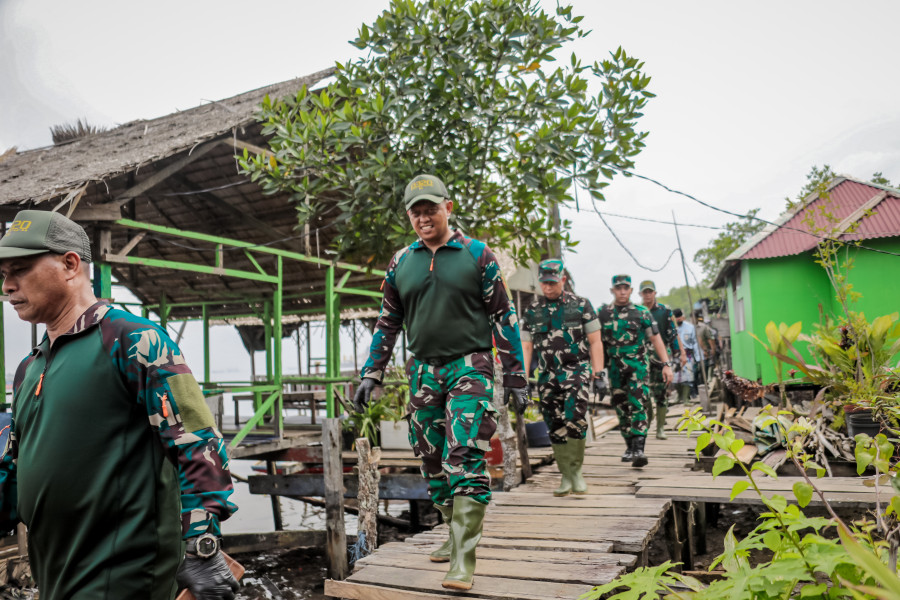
[
  {"x": 507, "y": 435},
  {"x": 522, "y": 441},
  {"x": 367, "y": 496},
  {"x": 272, "y": 469},
  {"x": 335, "y": 536}
]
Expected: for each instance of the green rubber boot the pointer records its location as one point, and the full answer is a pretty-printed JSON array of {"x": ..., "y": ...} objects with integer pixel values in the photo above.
[
  {"x": 576, "y": 456},
  {"x": 563, "y": 455},
  {"x": 661, "y": 411},
  {"x": 465, "y": 533},
  {"x": 442, "y": 554}
]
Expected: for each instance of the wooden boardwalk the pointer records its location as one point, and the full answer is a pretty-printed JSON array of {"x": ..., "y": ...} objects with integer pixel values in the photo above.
[{"x": 536, "y": 546}]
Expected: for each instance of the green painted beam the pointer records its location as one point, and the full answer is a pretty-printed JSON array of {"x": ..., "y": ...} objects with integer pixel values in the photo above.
[
  {"x": 257, "y": 417},
  {"x": 214, "y": 239},
  {"x": 358, "y": 292},
  {"x": 182, "y": 266}
]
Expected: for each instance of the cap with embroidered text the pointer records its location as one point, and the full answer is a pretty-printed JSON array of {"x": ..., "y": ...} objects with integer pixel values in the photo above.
[
  {"x": 39, "y": 231},
  {"x": 425, "y": 187}
]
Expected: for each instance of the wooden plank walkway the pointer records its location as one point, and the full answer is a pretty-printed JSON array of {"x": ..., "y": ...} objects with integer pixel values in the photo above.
[{"x": 536, "y": 546}]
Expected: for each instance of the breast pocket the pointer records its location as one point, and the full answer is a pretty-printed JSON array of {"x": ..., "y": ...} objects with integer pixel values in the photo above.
[{"x": 574, "y": 329}]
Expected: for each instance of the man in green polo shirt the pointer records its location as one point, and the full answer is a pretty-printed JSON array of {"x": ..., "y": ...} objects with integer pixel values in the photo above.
[
  {"x": 448, "y": 290},
  {"x": 113, "y": 459}
]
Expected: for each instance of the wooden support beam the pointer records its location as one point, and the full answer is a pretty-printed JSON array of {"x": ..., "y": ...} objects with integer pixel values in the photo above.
[
  {"x": 235, "y": 143},
  {"x": 164, "y": 173},
  {"x": 393, "y": 486},
  {"x": 368, "y": 493},
  {"x": 336, "y": 538},
  {"x": 132, "y": 243},
  {"x": 237, "y": 543}
]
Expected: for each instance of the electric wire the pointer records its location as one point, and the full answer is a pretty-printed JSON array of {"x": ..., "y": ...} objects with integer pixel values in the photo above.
[
  {"x": 625, "y": 248},
  {"x": 750, "y": 217}
]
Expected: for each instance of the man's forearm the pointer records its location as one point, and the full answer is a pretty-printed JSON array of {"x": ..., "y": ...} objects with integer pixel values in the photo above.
[
  {"x": 660, "y": 348},
  {"x": 527, "y": 351},
  {"x": 595, "y": 341}
]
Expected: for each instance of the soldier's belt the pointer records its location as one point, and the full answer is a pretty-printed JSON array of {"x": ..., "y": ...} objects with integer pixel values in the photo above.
[
  {"x": 616, "y": 350},
  {"x": 440, "y": 361}
]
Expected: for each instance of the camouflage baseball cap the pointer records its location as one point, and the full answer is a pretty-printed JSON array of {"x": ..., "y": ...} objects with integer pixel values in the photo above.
[
  {"x": 40, "y": 231},
  {"x": 621, "y": 280},
  {"x": 425, "y": 187},
  {"x": 550, "y": 270},
  {"x": 647, "y": 285}
]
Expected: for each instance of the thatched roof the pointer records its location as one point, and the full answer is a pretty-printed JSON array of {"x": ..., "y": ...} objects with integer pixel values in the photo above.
[
  {"x": 46, "y": 173},
  {"x": 180, "y": 171}
]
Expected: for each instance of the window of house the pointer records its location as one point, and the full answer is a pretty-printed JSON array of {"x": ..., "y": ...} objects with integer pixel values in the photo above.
[{"x": 739, "y": 323}]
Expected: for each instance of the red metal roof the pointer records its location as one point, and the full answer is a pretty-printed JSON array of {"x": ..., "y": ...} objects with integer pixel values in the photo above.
[{"x": 841, "y": 202}]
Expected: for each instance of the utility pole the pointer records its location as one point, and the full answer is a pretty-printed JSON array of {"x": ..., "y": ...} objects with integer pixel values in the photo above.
[
  {"x": 691, "y": 302},
  {"x": 687, "y": 283}
]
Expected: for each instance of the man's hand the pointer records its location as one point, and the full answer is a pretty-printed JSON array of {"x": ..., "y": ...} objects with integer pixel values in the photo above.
[
  {"x": 667, "y": 374},
  {"x": 363, "y": 393},
  {"x": 683, "y": 358},
  {"x": 521, "y": 397},
  {"x": 207, "y": 578}
]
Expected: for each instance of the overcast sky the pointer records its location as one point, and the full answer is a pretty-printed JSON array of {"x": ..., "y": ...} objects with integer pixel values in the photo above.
[{"x": 749, "y": 95}]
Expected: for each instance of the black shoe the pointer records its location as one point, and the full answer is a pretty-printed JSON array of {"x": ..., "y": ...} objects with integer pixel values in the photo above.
[
  {"x": 629, "y": 455},
  {"x": 637, "y": 451}
]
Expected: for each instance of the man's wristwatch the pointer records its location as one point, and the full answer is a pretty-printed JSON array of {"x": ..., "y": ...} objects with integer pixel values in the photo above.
[{"x": 204, "y": 545}]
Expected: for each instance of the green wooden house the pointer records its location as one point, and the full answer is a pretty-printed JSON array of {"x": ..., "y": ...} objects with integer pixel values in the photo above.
[{"x": 774, "y": 276}]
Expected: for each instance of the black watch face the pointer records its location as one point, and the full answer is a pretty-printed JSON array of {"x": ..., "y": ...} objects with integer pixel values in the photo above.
[{"x": 207, "y": 545}]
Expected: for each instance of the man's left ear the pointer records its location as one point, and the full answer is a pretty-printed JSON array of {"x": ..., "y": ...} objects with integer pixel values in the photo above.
[{"x": 72, "y": 262}]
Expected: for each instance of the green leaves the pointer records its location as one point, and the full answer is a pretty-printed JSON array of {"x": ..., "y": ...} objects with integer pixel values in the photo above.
[
  {"x": 722, "y": 464},
  {"x": 472, "y": 91},
  {"x": 803, "y": 492}
]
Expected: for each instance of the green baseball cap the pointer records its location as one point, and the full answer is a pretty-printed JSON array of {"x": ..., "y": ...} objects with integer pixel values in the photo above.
[
  {"x": 39, "y": 231},
  {"x": 550, "y": 270},
  {"x": 621, "y": 280},
  {"x": 647, "y": 285},
  {"x": 425, "y": 187}
]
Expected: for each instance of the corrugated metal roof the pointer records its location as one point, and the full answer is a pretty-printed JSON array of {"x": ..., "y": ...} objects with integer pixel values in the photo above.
[{"x": 846, "y": 197}]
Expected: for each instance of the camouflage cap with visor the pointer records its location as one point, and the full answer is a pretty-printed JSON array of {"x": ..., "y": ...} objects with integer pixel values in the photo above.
[
  {"x": 621, "y": 280},
  {"x": 647, "y": 285},
  {"x": 425, "y": 187},
  {"x": 39, "y": 231},
  {"x": 550, "y": 270}
]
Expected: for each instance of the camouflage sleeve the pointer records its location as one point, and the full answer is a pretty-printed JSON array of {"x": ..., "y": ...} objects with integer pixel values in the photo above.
[
  {"x": 502, "y": 314},
  {"x": 154, "y": 369},
  {"x": 9, "y": 496},
  {"x": 648, "y": 324},
  {"x": 673, "y": 334},
  {"x": 525, "y": 331},
  {"x": 387, "y": 327},
  {"x": 591, "y": 322}
]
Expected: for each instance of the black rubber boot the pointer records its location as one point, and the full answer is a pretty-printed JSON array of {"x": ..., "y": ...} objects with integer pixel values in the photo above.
[
  {"x": 629, "y": 454},
  {"x": 637, "y": 451}
]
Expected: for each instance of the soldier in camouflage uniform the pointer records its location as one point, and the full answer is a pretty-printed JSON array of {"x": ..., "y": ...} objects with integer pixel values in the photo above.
[
  {"x": 626, "y": 328},
  {"x": 113, "y": 459},
  {"x": 665, "y": 321},
  {"x": 565, "y": 330},
  {"x": 448, "y": 289}
]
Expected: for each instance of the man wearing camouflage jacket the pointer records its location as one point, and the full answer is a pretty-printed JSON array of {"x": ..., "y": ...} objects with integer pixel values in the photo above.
[
  {"x": 626, "y": 328},
  {"x": 113, "y": 459},
  {"x": 449, "y": 291},
  {"x": 665, "y": 321},
  {"x": 566, "y": 333}
]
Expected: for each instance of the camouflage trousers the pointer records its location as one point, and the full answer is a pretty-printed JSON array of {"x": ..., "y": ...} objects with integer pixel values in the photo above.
[
  {"x": 658, "y": 389},
  {"x": 628, "y": 388},
  {"x": 451, "y": 422},
  {"x": 564, "y": 402}
]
